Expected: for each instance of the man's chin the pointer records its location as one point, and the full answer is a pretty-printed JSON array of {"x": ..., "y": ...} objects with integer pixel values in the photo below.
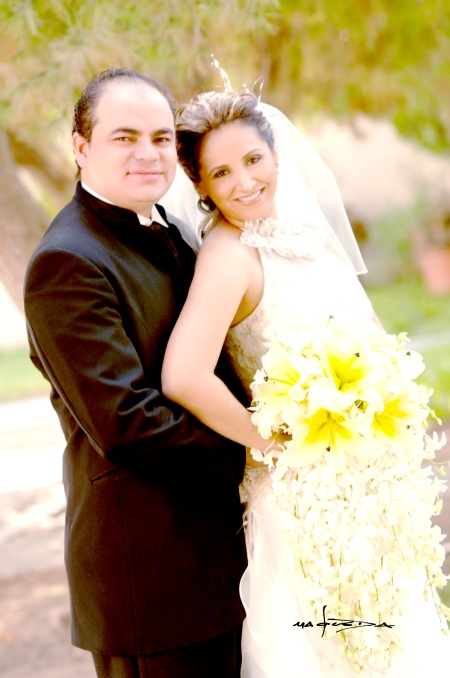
[
  {"x": 151, "y": 193},
  {"x": 143, "y": 202}
]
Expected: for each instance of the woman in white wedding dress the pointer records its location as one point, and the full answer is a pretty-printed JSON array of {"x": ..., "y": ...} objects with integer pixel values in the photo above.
[{"x": 278, "y": 254}]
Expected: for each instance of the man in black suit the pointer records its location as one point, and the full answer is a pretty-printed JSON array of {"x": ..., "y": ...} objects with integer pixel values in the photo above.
[{"x": 154, "y": 547}]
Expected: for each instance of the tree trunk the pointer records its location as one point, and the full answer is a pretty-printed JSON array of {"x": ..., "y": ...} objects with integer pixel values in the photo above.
[{"x": 22, "y": 223}]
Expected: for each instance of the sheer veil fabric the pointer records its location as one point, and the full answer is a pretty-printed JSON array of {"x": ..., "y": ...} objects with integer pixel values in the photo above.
[{"x": 307, "y": 191}]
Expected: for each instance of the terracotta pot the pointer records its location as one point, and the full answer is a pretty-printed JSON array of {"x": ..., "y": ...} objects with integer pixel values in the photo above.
[{"x": 434, "y": 263}]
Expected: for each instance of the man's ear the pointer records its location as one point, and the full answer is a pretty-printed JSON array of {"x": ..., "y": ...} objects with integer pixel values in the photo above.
[{"x": 80, "y": 147}]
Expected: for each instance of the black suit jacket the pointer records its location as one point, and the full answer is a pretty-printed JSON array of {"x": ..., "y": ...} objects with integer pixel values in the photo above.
[{"x": 154, "y": 544}]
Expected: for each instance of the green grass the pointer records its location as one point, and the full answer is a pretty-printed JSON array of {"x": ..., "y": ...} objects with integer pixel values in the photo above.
[
  {"x": 18, "y": 376},
  {"x": 437, "y": 377},
  {"x": 444, "y": 595},
  {"x": 408, "y": 307}
]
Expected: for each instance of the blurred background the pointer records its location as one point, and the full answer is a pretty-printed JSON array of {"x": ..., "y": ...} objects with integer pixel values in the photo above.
[{"x": 367, "y": 82}]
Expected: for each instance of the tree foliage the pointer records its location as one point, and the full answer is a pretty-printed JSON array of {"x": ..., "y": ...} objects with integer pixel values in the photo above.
[
  {"x": 386, "y": 59},
  {"x": 55, "y": 46},
  {"x": 383, "y": 58},
  {"x": 374, "y": 56}
]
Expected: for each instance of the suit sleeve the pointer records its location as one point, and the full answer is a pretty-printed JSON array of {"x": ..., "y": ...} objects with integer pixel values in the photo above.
[{"x": 76, "y": 328}]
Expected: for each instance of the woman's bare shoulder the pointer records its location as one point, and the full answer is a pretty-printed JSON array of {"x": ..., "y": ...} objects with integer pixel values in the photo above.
[
  {"x": 223, "y": 231},
  {"x": 224, "y": 241}
]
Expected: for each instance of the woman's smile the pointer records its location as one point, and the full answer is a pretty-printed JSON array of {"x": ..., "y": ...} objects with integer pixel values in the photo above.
[{"x": 251, "y": 199}]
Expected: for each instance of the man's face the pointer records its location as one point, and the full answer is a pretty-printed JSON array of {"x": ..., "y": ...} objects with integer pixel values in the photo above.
[{"x": 131, "y": 157}]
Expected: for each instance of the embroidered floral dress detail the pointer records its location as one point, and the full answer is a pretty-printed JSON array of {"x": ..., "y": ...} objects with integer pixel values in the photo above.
[
  {"x": 298, "y": 284},
  {"x": 288, "y": 239}
]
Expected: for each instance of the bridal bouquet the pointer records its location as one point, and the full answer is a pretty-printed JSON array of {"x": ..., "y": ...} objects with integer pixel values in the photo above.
[{"x": 351, "y": 490}]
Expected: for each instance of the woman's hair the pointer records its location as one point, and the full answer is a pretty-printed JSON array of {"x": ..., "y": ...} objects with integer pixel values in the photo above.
[
  {"x": 84, "y": 112},
  {"x": 208, "y": 111}
]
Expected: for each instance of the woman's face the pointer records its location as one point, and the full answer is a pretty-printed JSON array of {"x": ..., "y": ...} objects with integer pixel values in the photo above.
[{"x": 238, "y": 172}]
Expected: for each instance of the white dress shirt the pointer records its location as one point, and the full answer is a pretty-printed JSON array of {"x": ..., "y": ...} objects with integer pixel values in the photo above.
[{"x": 144, "y": 221}]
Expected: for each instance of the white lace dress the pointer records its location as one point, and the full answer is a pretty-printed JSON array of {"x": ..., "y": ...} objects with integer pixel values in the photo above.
[{"x": 304, "y": 282}]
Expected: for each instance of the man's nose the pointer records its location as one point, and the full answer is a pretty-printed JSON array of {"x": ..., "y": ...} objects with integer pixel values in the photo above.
[{"x": 146, "y": 150}]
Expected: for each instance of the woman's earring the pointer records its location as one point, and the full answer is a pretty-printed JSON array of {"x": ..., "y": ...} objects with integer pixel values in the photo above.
[
  {"x": 277, "y": 166},
  {"x": 205, "y": 204}
]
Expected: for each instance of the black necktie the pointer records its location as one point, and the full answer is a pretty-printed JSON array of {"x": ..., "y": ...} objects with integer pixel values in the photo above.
[
  {"x": 165, "y": 237},
  {"x": 172, "y": 240}
]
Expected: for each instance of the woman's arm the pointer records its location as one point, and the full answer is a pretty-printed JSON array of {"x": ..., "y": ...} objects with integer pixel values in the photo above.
[{"x": 227, "y": 284}]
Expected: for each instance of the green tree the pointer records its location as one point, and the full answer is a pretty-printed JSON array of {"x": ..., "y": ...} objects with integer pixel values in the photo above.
[
  {"x": 50, "y": 50},
  {"x": 385, "y": 59}
]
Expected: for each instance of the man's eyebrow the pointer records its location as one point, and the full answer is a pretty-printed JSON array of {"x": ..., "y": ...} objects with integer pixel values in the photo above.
[
  {"x": 164, "y": 130},
  {"x": 125, "y": 130},
  {"x": 136, "y": 133}
]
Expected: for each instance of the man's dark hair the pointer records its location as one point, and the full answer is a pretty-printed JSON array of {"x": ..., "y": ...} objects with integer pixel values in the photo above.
[{"x": 84, "y": 112}]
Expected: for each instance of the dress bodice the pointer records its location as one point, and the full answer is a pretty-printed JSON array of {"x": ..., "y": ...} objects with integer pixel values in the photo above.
[{"x": 304, "y": 282}]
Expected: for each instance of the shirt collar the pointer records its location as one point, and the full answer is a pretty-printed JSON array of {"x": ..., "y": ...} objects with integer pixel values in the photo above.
[{"x": 144, "y": 221}]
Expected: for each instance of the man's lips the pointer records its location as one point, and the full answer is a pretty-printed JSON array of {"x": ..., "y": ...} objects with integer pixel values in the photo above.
[{"x": 145, "y": 172}]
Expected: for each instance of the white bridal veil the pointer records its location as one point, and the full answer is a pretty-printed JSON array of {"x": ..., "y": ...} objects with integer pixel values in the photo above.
[{"x": 307, "y": 191}]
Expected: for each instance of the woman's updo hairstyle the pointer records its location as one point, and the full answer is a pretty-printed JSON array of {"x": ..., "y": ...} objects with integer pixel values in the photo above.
[{"x": 208, "y": 111}]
